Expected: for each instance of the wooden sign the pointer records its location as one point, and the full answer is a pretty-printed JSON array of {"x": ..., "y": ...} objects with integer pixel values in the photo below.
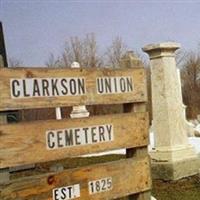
[
  {"x": 57, "y": 139},
  {"x": 73, "y": 191},
  {"x": 24, "y": 88},
  {"x": 46, "y": 87},
  {"x": 103, "y": 181},
  {"x": 70, "y": 137},
  {"x": 68, "y": 192}
]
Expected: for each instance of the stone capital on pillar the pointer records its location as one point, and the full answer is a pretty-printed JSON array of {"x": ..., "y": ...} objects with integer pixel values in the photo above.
[
  {"x": 173, "y": 155},
  {"x": 165, "y": 49}
]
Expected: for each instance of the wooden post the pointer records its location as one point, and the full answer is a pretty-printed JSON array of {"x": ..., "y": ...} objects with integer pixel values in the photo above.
[
  {"x": 129, "y": 61},
  {"x": 2, "y": 47},
  {"x": 4, "y": 173},
  {"x": 16, "y": 115},
  {"x": 3, "y": 63},
  {"x": 139, "y": 152},
  {"x": 4, "y": 117}
]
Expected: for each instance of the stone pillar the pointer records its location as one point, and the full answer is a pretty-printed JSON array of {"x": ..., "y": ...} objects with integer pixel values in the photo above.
[
  {"x": 78, "y": 111},
  {"x": 173, "y": 157},
  {"x": 130, "y": 60}
]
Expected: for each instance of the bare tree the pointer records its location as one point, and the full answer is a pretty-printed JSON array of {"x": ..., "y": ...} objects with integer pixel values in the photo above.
[
  {"x": 77, "y": 49},
  {"x": 91, "y": 58},
  {"x": 84, "y": 51},
  {"x": 190, "y": 74},
  {"x": 52, "y": 61},
  {"x": 115, "y": 52},
  {"x": 67, "y": 58},
  {"x": 180, "y": 56}
]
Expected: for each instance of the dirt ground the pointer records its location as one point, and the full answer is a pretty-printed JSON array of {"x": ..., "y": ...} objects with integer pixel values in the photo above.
[{"x": 184, "y": 189}]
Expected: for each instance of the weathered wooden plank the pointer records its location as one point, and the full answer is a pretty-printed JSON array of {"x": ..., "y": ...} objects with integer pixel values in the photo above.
[
  {"x": 137, "y": 152},
  {"x": 22, "y": 141},
  {"x": 127, "y": 176},
  {"x": 24, "y": 88}
]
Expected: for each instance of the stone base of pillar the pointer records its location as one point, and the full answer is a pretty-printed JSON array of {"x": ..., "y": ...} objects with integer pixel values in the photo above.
[
  {"x": 174, "y": 164},
  {"x": 79, "y": 112}
]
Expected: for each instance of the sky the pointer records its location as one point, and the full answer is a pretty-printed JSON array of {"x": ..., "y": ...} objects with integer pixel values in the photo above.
[{"x": 33, "y": 29}]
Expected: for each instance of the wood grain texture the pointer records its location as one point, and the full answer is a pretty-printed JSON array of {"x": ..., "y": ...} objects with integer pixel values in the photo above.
[
  {"x": 91, "y": 97},
  {"x": 137, "y": 152},
  {"x": 25, "y": 143},
  {"x": 128, "y": 176}
]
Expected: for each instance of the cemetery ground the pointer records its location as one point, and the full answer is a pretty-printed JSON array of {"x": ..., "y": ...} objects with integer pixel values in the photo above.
[{"x": 184, "y": 189}]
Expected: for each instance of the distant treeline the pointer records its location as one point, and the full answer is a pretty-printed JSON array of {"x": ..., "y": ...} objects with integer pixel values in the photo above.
[{"x": 86, "y": 51}]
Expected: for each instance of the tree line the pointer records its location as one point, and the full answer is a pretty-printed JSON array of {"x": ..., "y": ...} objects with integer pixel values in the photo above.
[
  {"x": 86, "y": 51},
  {"x": 189, "y": 64}
]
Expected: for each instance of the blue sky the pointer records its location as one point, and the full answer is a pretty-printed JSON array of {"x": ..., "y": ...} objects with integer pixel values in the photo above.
[{"x": 35, "y": 28}]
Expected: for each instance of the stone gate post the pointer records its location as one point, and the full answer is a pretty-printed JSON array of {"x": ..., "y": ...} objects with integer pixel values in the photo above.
[{"x": 173, "y": 157}]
